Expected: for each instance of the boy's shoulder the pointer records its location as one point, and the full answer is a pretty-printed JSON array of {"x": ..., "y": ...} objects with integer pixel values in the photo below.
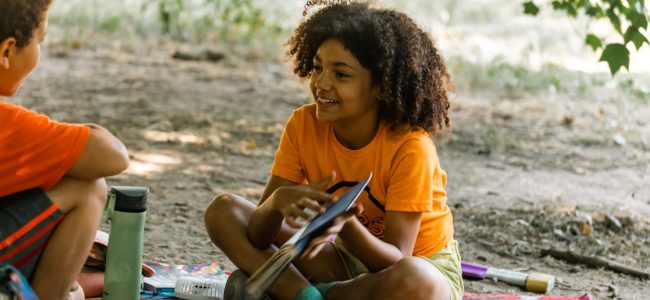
[
  {"x": 7, "y": 111},
  {"x": 10, "y": 112},
  {"x": 7, "y": 108}
]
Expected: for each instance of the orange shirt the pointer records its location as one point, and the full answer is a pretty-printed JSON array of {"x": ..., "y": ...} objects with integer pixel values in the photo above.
[
  {"x": 406, "y": 174},
  {"x": 35, "y": 151}
]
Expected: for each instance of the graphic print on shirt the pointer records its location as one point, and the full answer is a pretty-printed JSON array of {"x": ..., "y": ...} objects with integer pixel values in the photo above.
[{"x": 372, "y": 216}]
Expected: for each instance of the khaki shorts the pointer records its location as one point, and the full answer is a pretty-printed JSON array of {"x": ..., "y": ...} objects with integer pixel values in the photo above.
[{"x": 447, "y": 261}]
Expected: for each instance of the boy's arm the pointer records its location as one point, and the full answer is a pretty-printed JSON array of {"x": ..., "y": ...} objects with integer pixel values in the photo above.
[
  {"x": 104, "y": 155},
  {"x": 401, "y": 230}
]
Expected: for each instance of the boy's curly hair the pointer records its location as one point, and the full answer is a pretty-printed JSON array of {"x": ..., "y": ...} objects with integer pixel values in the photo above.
[
  {"x": 404, "y": 60},
  {"x": 20, "y": 18}
]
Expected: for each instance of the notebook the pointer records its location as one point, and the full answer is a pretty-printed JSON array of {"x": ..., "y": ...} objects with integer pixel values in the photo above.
[{"x": 264, "y": 277}]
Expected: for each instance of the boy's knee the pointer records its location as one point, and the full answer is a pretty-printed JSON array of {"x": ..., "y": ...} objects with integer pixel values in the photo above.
[
  {"x": 71, "y": 193},
  {"x": 100, "y": 191},
  {"x": 96, "y": 191}
]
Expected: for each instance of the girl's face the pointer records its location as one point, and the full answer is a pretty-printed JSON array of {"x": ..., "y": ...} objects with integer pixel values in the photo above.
[
  {"x": 16, "y": 63},
  {"x": 342, "y": 87}
]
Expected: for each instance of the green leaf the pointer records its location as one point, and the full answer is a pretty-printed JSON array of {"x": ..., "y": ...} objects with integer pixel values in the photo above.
[
  {"x": 572, "y": 10},
  {"x": 616, "y": 56},
  {"x": 595, "y": 11},
  {"x": 638, "y": 19},
  {"x": 530, "y": 8},
  {"x": 633, "y": 34},
  {"x": 594, "y": 42},
  {"x": 616, "y": 21},
  {"x": 557, "y": 5}
]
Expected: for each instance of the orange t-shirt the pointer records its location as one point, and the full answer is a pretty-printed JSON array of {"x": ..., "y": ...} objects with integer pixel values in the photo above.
[
  {"x": 406, "y": 174},
  {"x": 35, "y": 151}
]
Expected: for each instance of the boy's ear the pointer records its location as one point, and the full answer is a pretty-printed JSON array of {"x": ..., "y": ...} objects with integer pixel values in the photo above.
[{"x": 7, "y": 46}]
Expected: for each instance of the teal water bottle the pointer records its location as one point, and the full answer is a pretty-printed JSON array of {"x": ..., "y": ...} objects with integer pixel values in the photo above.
[{"x": 125, "y": 209}]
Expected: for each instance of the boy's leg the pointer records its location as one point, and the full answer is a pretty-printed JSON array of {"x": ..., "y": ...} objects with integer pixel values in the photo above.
[
  {"x": 226, "y": 221},
  {"x": 410, "y": 278},
  {"x": 65, "y": 253}
]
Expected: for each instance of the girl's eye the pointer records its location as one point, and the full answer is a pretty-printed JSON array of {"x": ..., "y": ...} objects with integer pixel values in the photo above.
[
  {"x": 317, "y": 68},
  {"x": 341, "y": 75}
]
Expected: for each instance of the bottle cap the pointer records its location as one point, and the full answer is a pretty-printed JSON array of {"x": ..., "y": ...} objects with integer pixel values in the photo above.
[
  {"x": 130, "y": 198},
  {"x": 540, "y": 283}
]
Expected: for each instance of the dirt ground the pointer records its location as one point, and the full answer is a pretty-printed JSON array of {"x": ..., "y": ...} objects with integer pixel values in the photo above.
[{"x": 525, "y": 173}]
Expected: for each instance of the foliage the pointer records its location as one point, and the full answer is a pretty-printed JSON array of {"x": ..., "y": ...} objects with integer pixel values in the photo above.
[
  {"x": 628, "y": 17},
  {"x": 224, "y": 16}
]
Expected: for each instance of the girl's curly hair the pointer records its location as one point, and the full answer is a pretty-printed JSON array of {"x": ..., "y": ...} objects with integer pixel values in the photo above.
[
  {"x": 404, "y": 60},
  {"x": 20, "y": 18}
]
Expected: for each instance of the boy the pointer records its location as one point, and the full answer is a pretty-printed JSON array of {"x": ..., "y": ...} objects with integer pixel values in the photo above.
[{"x": 52, "y": 190}]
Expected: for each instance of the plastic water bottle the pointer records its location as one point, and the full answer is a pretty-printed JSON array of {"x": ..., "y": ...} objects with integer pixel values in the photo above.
[{"x": 125, "y": 209}]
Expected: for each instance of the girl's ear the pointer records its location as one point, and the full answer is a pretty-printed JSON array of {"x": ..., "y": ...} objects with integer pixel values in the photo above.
[
  {"x": 375, "y": 92},
  {"x": 7, "y": 47}
]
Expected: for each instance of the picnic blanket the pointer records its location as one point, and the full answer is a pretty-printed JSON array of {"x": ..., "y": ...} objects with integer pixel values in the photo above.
[{"x": 469, "y": 296}]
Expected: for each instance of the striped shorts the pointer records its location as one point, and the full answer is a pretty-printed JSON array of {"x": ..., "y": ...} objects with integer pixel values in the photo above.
[{"x": 27, "y": 220}]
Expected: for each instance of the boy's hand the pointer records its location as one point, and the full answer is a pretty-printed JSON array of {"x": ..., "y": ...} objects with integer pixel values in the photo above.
[
  {"x": 299, "y": 204},
  {"x": 316, "y": 244}
]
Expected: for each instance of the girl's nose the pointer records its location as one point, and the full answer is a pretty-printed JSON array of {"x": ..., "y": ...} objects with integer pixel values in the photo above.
[{"x": 323, "y": 82}]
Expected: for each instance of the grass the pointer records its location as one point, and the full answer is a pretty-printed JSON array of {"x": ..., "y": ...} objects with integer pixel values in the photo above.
[
  {"x": 514, "y": 81},
  {"x": 144, "y": 23}
]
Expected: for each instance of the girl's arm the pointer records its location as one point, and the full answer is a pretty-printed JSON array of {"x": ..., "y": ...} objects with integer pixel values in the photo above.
[
  {"x": 266, "y": 222},
  {"x": 284, "y": 200},
  {"x": 401, "y": 230}
]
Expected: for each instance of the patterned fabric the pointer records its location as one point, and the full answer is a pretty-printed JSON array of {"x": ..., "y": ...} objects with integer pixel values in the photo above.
[
  {"x": 469, "y": 296},
  {"x": 27, "y": 220}
]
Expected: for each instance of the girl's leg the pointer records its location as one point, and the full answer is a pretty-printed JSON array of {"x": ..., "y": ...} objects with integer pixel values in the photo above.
[
  {"x": 410, "y": 278},
  {"x": 226, "y": 221}
]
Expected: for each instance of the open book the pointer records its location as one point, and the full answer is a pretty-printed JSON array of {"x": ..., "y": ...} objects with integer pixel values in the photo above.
[{"x": 264, "y": 277}]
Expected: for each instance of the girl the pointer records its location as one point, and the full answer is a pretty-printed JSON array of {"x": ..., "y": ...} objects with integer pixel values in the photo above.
[{"x": 380, "y": 90}]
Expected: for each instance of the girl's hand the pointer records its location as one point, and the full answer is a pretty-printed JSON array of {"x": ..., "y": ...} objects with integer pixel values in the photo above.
[
  {"x": 299, "y": 204},
  {"x": 317, "y": 244}
]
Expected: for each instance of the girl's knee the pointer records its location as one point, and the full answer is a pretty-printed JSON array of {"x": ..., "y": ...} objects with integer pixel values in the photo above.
[
  {"x": 221, "y": 211},
  {"x": 417, "y": 279},
  {"x": 220, "y": 204}
]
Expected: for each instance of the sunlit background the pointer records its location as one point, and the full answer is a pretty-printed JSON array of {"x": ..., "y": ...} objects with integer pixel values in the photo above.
[
  {"x": 480, "y": 31},
  {"x": 488, "y": 44}
]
